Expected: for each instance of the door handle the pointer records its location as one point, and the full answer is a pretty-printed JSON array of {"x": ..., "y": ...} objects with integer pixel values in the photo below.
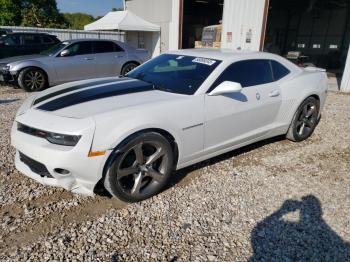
[
  {"x": 89, "y": 58},
  {"x": 118, "y": 56},
  {"x": 274, "y": 93}
]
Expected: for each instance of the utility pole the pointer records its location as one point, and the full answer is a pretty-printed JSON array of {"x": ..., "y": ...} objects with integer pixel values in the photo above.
[{"x": 124, "y": 5}]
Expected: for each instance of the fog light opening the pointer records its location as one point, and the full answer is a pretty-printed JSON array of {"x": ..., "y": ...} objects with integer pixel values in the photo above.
[{"x": 62, "y": 171}]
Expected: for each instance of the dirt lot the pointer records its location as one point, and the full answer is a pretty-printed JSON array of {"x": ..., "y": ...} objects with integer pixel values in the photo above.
[{"x": 273, "y": 201}]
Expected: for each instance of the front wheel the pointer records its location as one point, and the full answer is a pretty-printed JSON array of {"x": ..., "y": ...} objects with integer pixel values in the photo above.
[
  {"x": 305, "y": 120},
  {"x": 32, "y": 79},
  {"x": 141, "y": 169},
  {"x": 128, "y": 67}
]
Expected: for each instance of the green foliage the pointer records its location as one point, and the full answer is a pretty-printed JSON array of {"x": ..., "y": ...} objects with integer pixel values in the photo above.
[
  {"x": 10, "y": 13},
  {"x": 37, "y": 13},
  {"x": 42, "y": 13},
  {"x": 78, "y": 20}
]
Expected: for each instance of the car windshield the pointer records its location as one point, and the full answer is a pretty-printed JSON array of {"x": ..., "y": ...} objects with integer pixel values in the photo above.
[
  {"x": 10, "y": 40},
  {"x": 175, "y": 73},
  {"x": 54, "y": 49}
]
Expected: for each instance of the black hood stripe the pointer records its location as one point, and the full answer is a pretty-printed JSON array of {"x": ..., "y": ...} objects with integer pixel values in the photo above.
[
  {"x": 75, "y": 88},
  {"x": 92, "y": 94}
]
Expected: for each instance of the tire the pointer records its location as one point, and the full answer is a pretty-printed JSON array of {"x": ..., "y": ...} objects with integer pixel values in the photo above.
[
  {"x": 305, "y": 120},
  {"x": 128, "y": 67},
  {"x": 32, "y": 79},
  {"x": 141, "y": 169}
]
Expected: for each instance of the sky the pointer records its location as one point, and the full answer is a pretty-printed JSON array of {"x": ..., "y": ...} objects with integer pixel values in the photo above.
[{"x": 93, "y": 7}]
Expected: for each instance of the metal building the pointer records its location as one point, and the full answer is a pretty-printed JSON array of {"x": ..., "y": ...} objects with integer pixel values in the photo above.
[{"x": 314, "y": 30}]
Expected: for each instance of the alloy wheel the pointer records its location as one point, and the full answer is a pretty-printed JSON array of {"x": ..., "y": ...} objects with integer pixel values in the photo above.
[
  {"x": 34, "y": 80},
  {"x": 128, "y": 68},
  {"x": 307, "y": 120},
  {"x": 141, "y": 169}
]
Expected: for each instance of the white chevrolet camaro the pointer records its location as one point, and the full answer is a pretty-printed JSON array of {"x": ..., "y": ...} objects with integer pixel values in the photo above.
[{"x": 180, "y": 108}]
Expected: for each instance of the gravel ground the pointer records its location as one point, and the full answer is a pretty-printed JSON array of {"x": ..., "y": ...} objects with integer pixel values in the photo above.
[{"x": 273, "y": 201}]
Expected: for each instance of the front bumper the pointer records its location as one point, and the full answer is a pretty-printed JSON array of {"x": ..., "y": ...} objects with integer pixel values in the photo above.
[
  {"x": 39, "y": 159},
  {"x": 7, "y": 77}
]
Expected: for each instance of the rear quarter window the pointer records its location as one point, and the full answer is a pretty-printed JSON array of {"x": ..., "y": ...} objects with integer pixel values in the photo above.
[
  {"x": 31, "y": 39},
  {"x": 117, "y": 48},
  {"x": 279, "y": 71},
  {"x": 48, "y": 40},
  {"x": 103, "y": 47}
]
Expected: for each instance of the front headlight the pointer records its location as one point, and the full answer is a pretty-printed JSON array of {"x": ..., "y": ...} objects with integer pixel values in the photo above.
[
  {"x": 6, "y": 68},
  {"x": 54, "y": 138},
  {"x": 64, "y": 140}
]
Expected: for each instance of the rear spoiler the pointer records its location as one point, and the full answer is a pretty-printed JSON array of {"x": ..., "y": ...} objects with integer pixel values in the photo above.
[{"x": 314, "y": 69}]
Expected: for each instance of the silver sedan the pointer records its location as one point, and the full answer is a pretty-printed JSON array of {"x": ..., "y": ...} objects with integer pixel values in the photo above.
[{"x": 71, "y": 61}]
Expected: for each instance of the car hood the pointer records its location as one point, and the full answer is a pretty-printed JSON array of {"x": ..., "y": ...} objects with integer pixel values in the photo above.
[
  {"x": 20, "y": 58},
  {"x": 97, "y": 96}
]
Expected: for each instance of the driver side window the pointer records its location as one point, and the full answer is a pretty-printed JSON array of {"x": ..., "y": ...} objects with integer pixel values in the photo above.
[
  {"x": 247, "y": 73},
  {"x": 82, "y": 48}
]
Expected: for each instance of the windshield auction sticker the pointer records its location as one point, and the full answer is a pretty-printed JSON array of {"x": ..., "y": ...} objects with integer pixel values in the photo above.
[{"x": 204, "y": 61}]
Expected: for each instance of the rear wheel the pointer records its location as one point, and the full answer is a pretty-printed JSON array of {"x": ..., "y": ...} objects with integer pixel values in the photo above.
[
  {"x": 305, "y": 120},
  {"x": 32, "y": 79},
  {"x": 142, "y": 169},
  {"x": 128, "y": 67}
]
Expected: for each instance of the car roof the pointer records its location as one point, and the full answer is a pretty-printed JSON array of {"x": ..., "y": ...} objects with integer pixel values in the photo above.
[
  {"x": 219, "y": 54},
  {"x": 88, "y": 39},
  {"x": 30, "y": 33}
]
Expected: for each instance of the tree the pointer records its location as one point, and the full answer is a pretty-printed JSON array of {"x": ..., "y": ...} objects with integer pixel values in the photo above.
[
  {"x": 117, "y": 9},
  {"x": 10, "y": 14},
  {"x": 42, "y": 13},
  {"x": 78, "y": 20}
]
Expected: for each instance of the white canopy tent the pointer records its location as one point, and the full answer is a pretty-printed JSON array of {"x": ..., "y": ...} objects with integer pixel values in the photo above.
[
  {"x": 139, "y": 32},
  {"x": 124, "y": 21}
]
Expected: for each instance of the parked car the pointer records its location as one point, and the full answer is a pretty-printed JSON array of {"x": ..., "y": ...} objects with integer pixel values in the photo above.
[
  {"x": 71, "y": 61},
  {"x": 17, "y": 44},
  {"x": 4, "y": 32},
  {"x": 177, "y": 109}
]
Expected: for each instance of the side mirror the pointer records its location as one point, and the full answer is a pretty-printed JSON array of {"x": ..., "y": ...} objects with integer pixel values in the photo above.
[
  {"x": 226, "y": 87},
  {"x": 65, "y": 53}
]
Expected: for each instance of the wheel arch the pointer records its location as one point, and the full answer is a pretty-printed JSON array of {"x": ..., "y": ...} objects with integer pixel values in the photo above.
[
  {"x": 290, "y": 133},
  {"x": 314, "y": 96},
  {"x": 131, "y": 61},
  {"x": 36, "y": 67},
  {"x": 299, "y": 103},
  {"x": 116, "y": 150}
]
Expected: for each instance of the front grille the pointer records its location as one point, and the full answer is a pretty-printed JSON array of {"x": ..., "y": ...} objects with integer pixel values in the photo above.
[
  {"x": 35, "y": 166},
  {"x": 2, "y": 67}
]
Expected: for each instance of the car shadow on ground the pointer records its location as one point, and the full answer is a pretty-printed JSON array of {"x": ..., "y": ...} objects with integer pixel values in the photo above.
[
  {"x": 9, "y": 101},
  {"x": 306, "y": 238},
  {"x": 181, "y": 174}
]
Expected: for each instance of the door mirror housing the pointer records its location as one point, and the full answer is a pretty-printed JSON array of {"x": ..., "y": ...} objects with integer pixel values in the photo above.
[
  {"x": 226, "y": 87},
  {"x": 65, "y": 53}
]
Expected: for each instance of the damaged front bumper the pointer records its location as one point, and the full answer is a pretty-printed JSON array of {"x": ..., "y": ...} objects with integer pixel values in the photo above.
[{"x": 8, "y": 77}]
